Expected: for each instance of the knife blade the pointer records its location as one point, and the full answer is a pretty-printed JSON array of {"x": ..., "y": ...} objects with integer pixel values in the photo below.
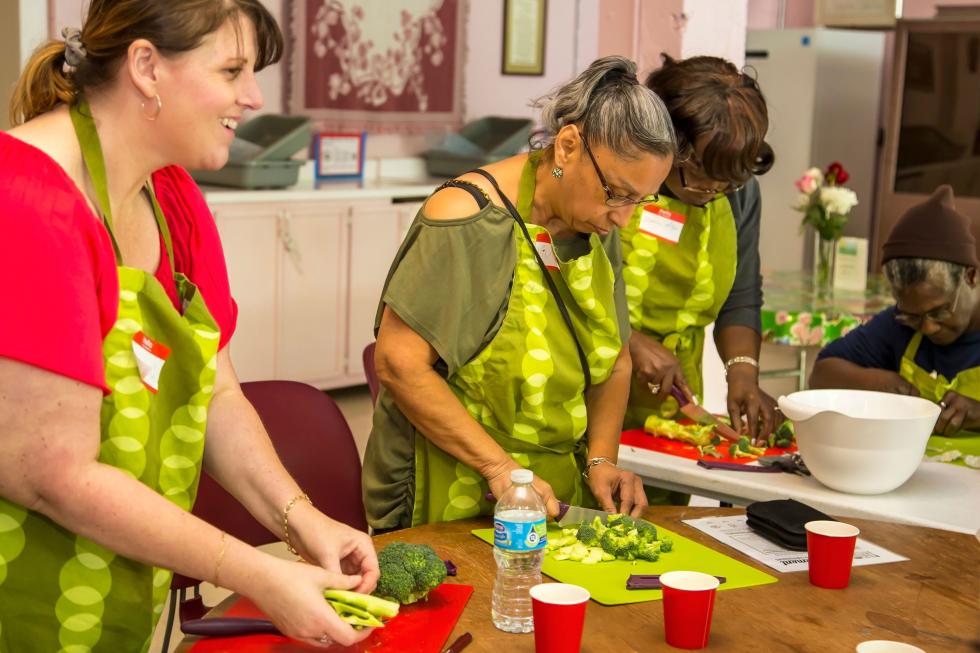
[
  {"x": 568, "y": 515},
  {"x": 692, "y": 411}
]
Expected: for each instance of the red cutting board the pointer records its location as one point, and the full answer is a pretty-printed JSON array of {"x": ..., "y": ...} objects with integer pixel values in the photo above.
[
  {"x": 422, "y": 627},
  {"x": 643, "y": 440}
]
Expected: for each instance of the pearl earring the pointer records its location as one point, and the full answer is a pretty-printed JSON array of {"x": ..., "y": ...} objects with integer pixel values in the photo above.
[{"x": 557, "y": 172}]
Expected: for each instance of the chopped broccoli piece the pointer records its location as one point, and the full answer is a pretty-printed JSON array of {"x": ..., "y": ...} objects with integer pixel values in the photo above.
[
  {"x": 587, "y": 534},
  {"x": 408, "y": 572},
  {"x": 666, "y": 545},
  {"x": 649, "y": 551},
  {"x": 646, "y": 531},
  {"x": 744, "y": 449},
  {"x": 783, "y": 436}
]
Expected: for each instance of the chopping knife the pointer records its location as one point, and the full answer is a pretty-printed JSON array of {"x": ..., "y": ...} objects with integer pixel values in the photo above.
[
  {"x": 568, "y": 515},
  {"x": 701, "y": 416}
]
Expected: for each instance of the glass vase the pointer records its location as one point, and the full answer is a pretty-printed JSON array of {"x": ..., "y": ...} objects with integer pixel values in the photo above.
[{"x": 823, "y": 266}]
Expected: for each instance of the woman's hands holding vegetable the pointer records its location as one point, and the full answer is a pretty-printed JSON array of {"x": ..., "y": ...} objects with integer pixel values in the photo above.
[
  {"x": 958, "y": 413},
  {"x": 656, "y": 365},
  {"x": 751, "y": 409},
  {"x": 334, "y": 546},
  {"x": 291, "y": 594},
  {"x": 607, "y": 481}
]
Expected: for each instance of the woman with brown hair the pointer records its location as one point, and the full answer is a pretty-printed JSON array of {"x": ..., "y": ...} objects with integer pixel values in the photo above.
[
  {"x": 114, "y": 364},
  {"x": 693, "y": 257}
]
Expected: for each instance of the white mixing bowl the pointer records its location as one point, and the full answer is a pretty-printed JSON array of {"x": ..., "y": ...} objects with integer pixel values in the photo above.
[{"x": 859, "y": 441}]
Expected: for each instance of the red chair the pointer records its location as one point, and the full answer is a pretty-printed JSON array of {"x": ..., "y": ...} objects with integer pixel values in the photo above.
[
  {"x": 316, "y": 446},
  {"x": 369, "y": 371}
]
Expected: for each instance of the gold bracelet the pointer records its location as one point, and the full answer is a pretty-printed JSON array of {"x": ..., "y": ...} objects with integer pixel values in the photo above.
[
  {"x": 285, "y": 520},
  {"x": 221, "y": 556}
]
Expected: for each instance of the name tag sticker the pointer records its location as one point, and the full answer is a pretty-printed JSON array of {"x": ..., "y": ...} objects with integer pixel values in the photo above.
[
  {"x": 663, "y": 224},
  {"x": 542, "y": 243},
  {"x": 150, "y": 357}
]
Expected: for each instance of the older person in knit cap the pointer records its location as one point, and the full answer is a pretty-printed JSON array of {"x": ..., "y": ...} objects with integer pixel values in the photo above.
[{"x": 928, "y": 344}]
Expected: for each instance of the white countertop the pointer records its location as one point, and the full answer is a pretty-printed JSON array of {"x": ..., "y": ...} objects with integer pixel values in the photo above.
[
  {"x": 310, "y": 191},
  {"x": 383, "y": 179},
  {"x": 938, "y": 495}
]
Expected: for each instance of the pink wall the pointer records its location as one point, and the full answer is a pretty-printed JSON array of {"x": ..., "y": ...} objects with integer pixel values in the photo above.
[{"x": 764, "y": 14}]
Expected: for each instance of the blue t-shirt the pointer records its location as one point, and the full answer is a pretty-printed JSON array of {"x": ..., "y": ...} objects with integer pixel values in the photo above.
[{"x": 881, "y": 342}]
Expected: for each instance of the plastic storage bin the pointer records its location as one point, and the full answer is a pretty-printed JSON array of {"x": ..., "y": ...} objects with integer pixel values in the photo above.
[
  {"x": 259, "y": 157},
  {"x": 478, "y": 143}
]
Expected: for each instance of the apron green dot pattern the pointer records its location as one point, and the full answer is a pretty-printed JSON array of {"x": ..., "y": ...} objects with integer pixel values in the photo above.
[
  {"x": 526, "y": 387},
  {"x": 674, "y": 290},
  {"x": 98, "y": 601}
]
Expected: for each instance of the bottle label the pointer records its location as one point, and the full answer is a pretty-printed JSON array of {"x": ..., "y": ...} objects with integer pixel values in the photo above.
[{"x": 520, "y": 535}]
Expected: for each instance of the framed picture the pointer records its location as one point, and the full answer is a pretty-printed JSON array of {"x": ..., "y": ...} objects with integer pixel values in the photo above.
[
  {"x": 856, "y": 13},
  {"x": 339, "y": 156},
  {"x": 524, "y": 29}
]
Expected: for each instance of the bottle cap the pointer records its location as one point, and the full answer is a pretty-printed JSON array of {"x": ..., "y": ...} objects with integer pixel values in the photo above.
[{"x": 521, "y": 476}]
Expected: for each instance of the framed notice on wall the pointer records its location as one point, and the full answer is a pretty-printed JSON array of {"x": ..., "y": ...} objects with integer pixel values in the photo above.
[
  {"x": 339, "y": 156},
  {"x": 855, "y": 13},
  {"x": 524, "y": 31}
]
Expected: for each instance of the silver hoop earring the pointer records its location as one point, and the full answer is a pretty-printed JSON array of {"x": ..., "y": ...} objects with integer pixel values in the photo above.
[
  {"x": 157, "y": 105},
  {"x": 557, "y": 172}
]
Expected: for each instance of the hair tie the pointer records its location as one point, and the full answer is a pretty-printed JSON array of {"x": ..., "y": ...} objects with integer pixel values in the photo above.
[{"x": 74, "y": 50}]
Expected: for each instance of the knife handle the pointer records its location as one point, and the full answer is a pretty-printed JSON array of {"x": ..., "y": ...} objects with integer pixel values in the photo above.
[
  {"x": 227, "y": 627},
  {"x": 562, "y": 509},
  {"x": 676, "y": 393}
]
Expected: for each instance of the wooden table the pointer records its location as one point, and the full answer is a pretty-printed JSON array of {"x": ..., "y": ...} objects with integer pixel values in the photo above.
[{"x": 930, "y": 601}]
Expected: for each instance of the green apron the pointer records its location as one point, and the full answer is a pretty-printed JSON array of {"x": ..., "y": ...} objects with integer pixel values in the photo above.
[
  {"x": 934, "y": 388},
  {"x": 62, "y": 592},
  {"x": 526, "y": 387},
  {"x": 675, "y": 290}
]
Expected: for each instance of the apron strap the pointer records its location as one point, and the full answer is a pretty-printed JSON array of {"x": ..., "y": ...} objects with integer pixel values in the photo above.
[
  {"x": 583, "y": 360},
  {"x": 88, "y": 140}
]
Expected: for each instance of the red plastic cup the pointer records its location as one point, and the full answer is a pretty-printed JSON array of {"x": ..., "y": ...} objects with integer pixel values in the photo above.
[
  {"x": 830, "y": 549},
  {"x": 559, "y": 614},
  {"x": 689, "y": 597}
]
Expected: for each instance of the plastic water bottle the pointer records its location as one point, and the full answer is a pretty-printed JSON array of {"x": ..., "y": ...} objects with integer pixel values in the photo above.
[{"x": 519, "y": 539}]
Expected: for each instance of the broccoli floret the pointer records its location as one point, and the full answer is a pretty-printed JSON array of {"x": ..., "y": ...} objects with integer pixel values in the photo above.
[
  {"x": 587, "y": 535},
  {"x": 620, "y": 520},
  {"x": 649, "y": 551},
  {"x": 408, "y": 572},
  {"x": 615, "y": 543},
  {"x": 666, "y": 545},
  {"x": 783, "y": 436},
  {"x": 647, "y": 531}
]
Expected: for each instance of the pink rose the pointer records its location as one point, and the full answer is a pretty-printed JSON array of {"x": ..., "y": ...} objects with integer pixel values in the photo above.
[{"x": 810, "y": 180}]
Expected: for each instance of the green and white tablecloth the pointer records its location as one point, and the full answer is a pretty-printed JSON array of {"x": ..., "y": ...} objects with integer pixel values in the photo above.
[{"x": 793, "y": 314}]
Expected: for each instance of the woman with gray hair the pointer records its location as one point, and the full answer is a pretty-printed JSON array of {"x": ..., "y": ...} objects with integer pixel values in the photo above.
[
  {"x": 928, "y": 344},
  {"x": 502, "y": 322}
]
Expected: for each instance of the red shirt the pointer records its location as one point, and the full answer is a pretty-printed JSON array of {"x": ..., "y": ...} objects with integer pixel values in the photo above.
[{"x": 60, "y": 285}]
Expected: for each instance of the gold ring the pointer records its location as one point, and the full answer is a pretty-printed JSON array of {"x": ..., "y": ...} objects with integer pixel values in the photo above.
[{"x": 654, "y": 387}]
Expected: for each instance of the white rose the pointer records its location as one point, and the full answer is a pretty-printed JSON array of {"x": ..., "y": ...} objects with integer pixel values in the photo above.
[
  {"x": 837, "y": 199},
  {"x": 802, "y": 201}
]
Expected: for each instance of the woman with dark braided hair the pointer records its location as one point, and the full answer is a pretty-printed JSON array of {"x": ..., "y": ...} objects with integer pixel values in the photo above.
[
  {"x": 503, "y": 320},
  {"x": 692, "y": 258},
  {"x": 114, "y": 361}
]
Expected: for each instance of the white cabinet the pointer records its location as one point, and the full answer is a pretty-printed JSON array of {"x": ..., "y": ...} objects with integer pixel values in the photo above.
[
  {"x": 307, "y": 276},
  {"x": 375, "y": 235}
]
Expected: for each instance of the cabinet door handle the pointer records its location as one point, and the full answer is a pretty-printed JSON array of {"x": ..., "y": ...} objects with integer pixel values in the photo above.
[{"x": 288, "y": 243}]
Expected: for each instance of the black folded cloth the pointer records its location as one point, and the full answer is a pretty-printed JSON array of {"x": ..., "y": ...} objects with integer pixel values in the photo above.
[{"x": 781, "y": 521}]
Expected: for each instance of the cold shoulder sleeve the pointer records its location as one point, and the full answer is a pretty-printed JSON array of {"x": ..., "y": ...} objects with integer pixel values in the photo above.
[{"x": 450, "y": 282}]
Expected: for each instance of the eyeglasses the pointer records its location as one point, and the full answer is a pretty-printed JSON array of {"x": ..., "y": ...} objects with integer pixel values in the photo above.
[
  {"x": 613, "y": 200},
  {"x": 730, "y": 188},
  {"x": 935, "y": 316}
]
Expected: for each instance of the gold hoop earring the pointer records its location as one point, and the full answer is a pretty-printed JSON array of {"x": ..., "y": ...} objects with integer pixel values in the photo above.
[
  {"x": 158, "y": 105},
  {"x": 557, "y": 172}
]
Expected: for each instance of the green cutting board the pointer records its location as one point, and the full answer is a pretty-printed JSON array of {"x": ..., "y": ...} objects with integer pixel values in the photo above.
[{"x": 606, "y": 581}]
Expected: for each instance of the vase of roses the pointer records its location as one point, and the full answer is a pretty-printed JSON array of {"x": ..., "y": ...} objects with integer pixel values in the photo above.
[{"x": 825, "y": 205}]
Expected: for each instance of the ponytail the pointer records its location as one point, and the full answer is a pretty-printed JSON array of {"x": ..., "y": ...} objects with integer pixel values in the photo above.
[{"x": 42, "y": 84}]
